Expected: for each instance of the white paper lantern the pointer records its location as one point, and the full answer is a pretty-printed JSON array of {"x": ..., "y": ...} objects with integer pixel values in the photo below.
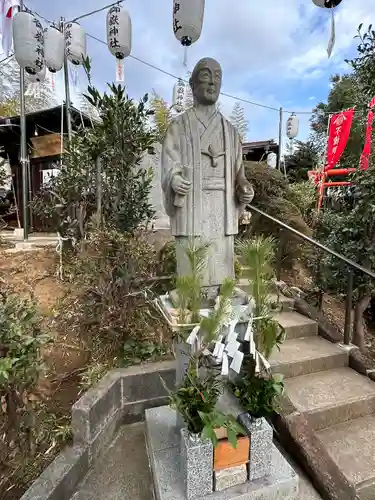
[
  {"x": 119, "y": 32},
  {"x": 54, "y": 49},
  {"x": 179, "y": 95},
  {"x": 292, "y": 126},
  {"x": 327, "y": 4},
  {"x": 38, "y": 77},
  {"x": 188, "y": 20},
  {"x": 28, "y": 39},
  {"x": 272, "y": 160},
  {"x": 75, "y": 43}
]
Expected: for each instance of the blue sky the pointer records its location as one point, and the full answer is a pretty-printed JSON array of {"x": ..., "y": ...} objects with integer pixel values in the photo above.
[{"x": 272, "y": 52}]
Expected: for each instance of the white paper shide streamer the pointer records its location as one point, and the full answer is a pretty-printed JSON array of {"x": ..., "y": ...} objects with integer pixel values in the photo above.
[
  {"x": 188, "y": 20},
  {"x": 35, "y": 83},
  {"x": 75, "y": 43},
  {"x": 329, "y": 4},
  {"x": 28, "y": 40},
  {"x": 53, "y": 49},
  {"x": 332, "y": 39}
]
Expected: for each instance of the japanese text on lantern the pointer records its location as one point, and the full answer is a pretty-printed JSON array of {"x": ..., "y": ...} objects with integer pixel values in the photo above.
[
  {"x": 68, "y": 39},
  {"x": 39, "y": 49}
]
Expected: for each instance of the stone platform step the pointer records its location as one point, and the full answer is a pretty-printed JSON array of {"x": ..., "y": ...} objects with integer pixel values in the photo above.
[
  {"x": 352, "y": 446},
  {"x": 332, "y": 397},
  {"x": 164, "y": 453},
  {"x": 122, "y": 473},
  {"x": 304, "y": 355},
  {"x": 296, "y": 325},
  {"x": 286, "y": 303}
]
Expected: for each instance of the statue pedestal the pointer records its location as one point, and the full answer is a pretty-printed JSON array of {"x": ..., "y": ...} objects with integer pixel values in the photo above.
[{"x": 173, "y": 468}]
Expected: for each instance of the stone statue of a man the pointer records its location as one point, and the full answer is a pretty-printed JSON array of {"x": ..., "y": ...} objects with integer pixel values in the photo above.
[{"x": 203, "y": 179}]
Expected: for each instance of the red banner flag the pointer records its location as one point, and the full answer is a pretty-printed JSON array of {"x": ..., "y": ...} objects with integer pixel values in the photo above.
[
  {"x": 365, "y": 156},
  {"x": 339, "y": 130}
]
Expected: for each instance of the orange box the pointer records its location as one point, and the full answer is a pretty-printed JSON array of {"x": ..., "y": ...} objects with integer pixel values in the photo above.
[{"x": 225, "y": 456}]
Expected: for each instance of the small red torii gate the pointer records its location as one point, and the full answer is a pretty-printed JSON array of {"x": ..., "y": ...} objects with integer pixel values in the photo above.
[{"x": 339, "y": 126}]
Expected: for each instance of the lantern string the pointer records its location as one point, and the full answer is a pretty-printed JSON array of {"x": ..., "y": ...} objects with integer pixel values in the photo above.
[
  {"x": 96, "y": 11},
  {"x": 4, "y": 61}
]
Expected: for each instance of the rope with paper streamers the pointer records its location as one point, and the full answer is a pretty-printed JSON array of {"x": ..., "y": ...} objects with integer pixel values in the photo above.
[{"x": 226, "y": 346}]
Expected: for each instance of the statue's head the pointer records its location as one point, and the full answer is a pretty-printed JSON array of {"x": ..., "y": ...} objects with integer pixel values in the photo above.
[{"x": 205, "y": 81}]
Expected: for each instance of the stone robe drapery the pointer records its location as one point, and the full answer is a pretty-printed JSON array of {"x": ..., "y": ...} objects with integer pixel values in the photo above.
[{"x": 210, "y": 210}]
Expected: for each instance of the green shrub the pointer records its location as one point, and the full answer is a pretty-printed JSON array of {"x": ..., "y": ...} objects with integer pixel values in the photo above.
[
  {"x": 21, "y": 339},
  {"x": 304, "y": 196},
  {"x": 21, "y": 365},
  {"x": 167, "y": 264},
  {"x": 272, "y": 196}
]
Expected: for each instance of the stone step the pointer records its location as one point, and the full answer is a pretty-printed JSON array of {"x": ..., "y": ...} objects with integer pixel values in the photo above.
[
  {"x": 332, "y": 397},
  {"x": 352, "y": 446},
  {"x": 286, "y": 303},
  {"x": 296, "y": 325},
  {"x": 245, "y": 272},
  {"x": 305, "y": 355}
]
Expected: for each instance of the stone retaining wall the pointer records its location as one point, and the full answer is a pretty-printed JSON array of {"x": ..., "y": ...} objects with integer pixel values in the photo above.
[{"x": 121, "y": 397}]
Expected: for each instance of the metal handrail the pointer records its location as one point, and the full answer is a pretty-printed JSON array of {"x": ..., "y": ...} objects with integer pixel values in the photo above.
[
  {"x": 350, "y": 262},
  {"x": 352, "y": 265}
]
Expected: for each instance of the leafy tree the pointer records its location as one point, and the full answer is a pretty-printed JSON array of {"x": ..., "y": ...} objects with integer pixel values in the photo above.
[
  {"x": 350, "y": 232},
  {"x": 114, "y": 193},
  {"x": 364, "y": 64},
  {"x": 87, "y": 108},
  {"x": 162, "y": 115},
  {"x": 238, "y": 120},
  {"x": 350, "y": 228},
  {"x": 10, "y": 94},
  {"x": 304, "y": 157}
]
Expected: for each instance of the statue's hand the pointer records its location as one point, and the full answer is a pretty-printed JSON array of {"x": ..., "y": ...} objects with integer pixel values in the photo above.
[
  {"x": 245, "y": 193},
  {"x": 180, "y": 185}
]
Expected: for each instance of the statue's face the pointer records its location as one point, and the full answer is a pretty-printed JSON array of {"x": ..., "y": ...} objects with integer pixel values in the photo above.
[{"x": 207, "y": 84}]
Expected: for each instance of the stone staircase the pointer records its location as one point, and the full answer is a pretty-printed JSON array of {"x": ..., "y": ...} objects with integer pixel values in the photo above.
[{"x": 338, "y": 402}]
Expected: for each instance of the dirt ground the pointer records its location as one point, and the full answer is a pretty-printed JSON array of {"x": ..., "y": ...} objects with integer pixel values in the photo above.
[
  {"x": 33, "y": 274},
  {"x": 333, "y": 307}
]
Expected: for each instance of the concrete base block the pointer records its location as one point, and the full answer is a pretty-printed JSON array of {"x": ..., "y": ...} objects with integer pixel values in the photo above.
[
  {"x": 165, "y": 461},
  {"x": 261, "y": 437},
  {"x": 227, "y": 478},
  {"x": 196, "y": 465}
]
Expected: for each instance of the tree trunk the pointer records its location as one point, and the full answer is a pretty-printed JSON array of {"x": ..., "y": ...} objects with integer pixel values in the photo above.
[{"x": 359, "y": 327}]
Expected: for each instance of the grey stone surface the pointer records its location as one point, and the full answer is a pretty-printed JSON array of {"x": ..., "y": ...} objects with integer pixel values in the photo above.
[
  {"x": 261, "y": 436},
  {"x": 153, "y": 162},
  {"x": 227, "y": 478},
  {"x": 120, "y": 397},
  {"x": 123, "y": 472},
  {"x": 281, "y": 483},
  {"x": 135, "y": 411},
  {"x": 147, "y": 385},
  {"x": 203, "y": 178},
  {"x": 196, "y": 466},
  {"x": 60, "y": 480},
  {"x": 99, "y": 404},
  {"x": 161, "y": 434}
]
